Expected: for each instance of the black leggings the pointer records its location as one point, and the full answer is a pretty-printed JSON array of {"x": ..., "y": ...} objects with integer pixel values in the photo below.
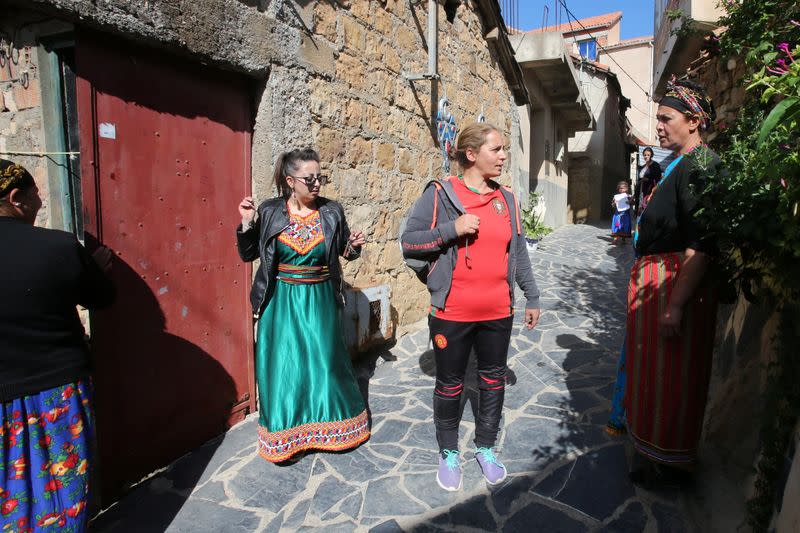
[{"x": 452, "y": 344}]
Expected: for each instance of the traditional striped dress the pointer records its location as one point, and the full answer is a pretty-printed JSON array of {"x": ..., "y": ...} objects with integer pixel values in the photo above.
[{"x": 667, "y": 377}]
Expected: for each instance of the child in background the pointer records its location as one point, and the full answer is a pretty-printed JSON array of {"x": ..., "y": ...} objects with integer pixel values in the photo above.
[{"x": 621, "y": 222}]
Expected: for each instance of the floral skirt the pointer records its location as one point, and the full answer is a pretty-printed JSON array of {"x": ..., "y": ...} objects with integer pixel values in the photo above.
[{"x": 44, "y": 461}]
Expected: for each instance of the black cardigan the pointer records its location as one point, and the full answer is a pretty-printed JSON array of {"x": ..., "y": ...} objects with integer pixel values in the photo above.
[
  {"x": 44, "y": 275},
  {"x": 669, "y": 222}
]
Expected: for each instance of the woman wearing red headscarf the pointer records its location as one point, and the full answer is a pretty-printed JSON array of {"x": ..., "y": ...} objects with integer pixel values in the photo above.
[{"x": 671, "y": 304}]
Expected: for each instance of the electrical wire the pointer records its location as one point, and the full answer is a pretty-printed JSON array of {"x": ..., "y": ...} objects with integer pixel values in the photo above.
[
  {"x": 41, "y": 154},
  {"x": 571, "y": 14}
]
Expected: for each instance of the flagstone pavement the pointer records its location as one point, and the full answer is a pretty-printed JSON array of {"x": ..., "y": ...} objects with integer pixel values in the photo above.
[{"x": 565, "y": 473}]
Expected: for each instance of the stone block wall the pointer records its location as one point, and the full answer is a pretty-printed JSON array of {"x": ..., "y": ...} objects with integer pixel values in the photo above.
[
  {"x": 20, "y": 104},
  {"x": 373, "y": 127},
  {"x": 327, "y": 74}
]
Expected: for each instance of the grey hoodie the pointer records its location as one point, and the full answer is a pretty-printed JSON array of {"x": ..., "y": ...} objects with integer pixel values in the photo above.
[{"x": 439, "y": 245}]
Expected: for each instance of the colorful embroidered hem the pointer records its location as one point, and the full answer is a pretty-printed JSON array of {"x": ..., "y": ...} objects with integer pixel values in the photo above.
[
  {"x": 326, "y": 436},
  {"x": 667, "y": 377}
]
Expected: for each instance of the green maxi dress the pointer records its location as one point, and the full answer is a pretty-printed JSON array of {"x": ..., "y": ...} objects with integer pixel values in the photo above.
[{"x": 308, "y": 395}]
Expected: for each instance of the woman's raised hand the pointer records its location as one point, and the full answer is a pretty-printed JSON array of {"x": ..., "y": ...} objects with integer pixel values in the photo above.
[
  {"x": 247, "y": 208},
  {"x": 357, "y": 239},
  {"x": 467, "y": 225}
]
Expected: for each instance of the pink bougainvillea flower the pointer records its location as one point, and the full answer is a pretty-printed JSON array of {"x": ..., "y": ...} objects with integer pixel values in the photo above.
[{"x": 784, "y": 47}]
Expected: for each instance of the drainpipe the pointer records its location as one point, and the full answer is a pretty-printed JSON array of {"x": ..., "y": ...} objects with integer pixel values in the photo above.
[
  {"x": 433, "y": 37},
  {"x": 433, "y": 45}
]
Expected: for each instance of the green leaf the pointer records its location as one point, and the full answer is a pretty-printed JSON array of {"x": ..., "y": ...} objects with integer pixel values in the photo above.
[{"x": 789, "y": 105}]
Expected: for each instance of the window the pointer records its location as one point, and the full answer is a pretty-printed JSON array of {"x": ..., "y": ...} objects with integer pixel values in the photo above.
[{"x": 588, "y": 49}]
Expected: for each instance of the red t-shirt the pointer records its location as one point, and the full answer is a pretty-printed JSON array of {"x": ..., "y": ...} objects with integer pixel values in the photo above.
[{"x": 480, "y": 279}]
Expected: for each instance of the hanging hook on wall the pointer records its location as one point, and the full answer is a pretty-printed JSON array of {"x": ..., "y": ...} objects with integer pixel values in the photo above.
[{"x": 23, "y": 79}]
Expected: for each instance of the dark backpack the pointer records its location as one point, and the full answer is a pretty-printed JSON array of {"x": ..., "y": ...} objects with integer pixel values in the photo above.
[{"x": 420, "y": 266}]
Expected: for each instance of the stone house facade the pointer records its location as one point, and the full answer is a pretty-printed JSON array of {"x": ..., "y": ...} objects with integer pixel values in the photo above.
[
  {"x": 610, "y": 74},
  {"x": 558, "y": 109},
  {"x": 203, "y": 97},
  {"x": 329, "y": 74},
  {"x": 599, "y": 159}
]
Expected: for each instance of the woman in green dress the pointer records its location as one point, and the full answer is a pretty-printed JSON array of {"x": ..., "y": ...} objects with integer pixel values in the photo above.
[{"x": 308, "y": 395}]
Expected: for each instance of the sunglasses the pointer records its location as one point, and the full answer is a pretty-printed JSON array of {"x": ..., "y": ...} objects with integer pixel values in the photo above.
[{"x": 309, "y": 181}]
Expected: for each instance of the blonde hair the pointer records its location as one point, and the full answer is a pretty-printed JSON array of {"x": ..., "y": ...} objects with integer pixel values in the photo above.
[
  {"x": 473, "y": 136},
  {"x": 621, "y": 183}
]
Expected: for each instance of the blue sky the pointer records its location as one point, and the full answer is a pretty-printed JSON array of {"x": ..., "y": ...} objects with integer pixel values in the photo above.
[{"x": 637, "y": 15}]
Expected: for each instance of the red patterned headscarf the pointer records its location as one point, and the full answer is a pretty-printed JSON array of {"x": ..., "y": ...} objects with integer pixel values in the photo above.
[{"x": 689, "y": 97}]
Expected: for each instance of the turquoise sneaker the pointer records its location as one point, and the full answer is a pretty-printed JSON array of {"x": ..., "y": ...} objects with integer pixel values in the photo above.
[
  {"x": 493, "y": 470},
  {"x": 449, "y": 474}
]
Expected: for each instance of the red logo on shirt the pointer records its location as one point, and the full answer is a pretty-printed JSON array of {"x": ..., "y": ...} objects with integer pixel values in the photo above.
[
  {"x": 441, "y": 341},
  {"x": 499, "y": 206}
]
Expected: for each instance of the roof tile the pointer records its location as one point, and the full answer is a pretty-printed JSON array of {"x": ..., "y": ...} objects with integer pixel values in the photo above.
[{"x": 599, "y": 21}]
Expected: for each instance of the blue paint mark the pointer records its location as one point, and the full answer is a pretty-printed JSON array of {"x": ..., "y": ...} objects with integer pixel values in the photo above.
[{"x": 163, "y": 290}]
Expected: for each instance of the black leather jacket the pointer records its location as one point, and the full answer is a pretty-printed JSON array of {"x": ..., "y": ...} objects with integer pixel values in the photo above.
[{"x": 260, "y": 240}]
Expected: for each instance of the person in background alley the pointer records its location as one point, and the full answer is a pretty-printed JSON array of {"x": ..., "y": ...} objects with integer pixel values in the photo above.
[
  {"x": 308, "y": 395},
  {"x": 47, "y": 426},
  {"x": 468, "y": 228},
  {"x": 671, "y": 304},
  {"x": 621, "y": 221},
  {"x": 649, "y": 175}
]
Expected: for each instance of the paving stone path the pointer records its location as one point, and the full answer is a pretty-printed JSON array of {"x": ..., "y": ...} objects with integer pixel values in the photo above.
[{"x": 565, "y": 473}]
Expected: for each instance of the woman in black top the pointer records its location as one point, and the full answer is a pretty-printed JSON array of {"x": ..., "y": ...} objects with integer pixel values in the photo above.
[
  {"x": 649, "y": 175},
  {"x": 45, "y": 393},
  {"x": 671, "y": 311}
]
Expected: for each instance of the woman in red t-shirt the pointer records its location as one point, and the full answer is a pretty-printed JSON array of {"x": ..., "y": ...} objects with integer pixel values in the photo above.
[{"x": 468, "y": 228}]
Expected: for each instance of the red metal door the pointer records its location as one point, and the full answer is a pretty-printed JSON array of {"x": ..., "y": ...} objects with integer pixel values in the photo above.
[{"x": 165, "y": 160}]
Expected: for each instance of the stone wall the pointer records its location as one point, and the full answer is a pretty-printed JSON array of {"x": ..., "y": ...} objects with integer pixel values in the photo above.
[
  {"x": 330, "y": 75},
  {"x": 21, "y": 106},
  {"x": 375, "y": 127}
]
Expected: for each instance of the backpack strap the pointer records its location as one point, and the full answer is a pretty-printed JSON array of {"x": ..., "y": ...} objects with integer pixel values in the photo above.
[
  {"x": 438, "y": 187},
  {"x": 516, "y": 208}
]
